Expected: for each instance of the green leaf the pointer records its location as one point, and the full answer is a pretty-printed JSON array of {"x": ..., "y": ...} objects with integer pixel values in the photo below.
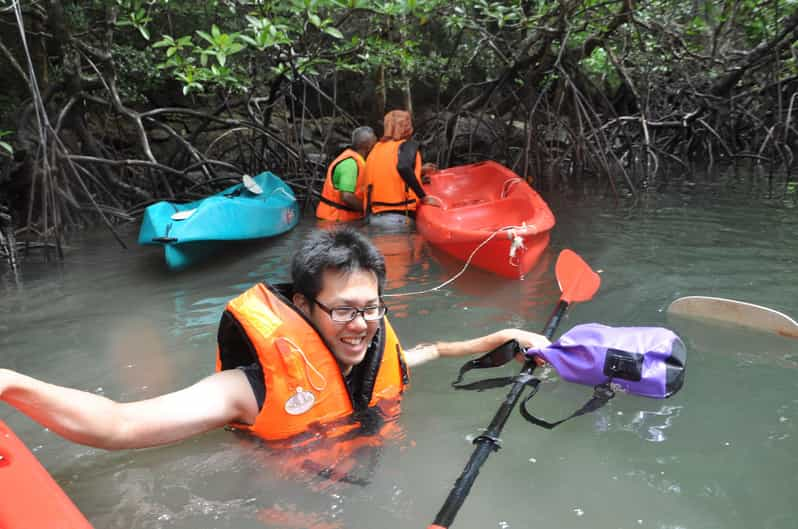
[
  {"x": 249, "y": 40},
  {"x": 7, "y": 147},
  {"x": 334, "y": 32},
  {"x": 144, "y": 32},
  {"x": 205, "y": 36},
  {"x": 165, "y": 41},
  {"x": 314, "y": 19}
]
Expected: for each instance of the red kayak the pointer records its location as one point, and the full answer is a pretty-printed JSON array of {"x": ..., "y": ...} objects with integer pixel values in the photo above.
[
  {"x": 489, "y": 214},
  {"x": 31, "y": 499}
]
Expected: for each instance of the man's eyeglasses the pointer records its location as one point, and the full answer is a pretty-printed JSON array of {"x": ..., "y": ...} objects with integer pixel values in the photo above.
[{"x": 347, "y": 314}]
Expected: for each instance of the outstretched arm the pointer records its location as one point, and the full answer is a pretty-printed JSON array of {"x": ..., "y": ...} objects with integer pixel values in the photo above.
[
  {"x": 425, "y": 352},
  {"x": 94, "y": 420}
]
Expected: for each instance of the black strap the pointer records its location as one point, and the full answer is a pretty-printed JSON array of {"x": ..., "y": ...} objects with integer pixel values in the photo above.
[
  {"x": 369, "y": 191},
  {"x": 495, "y": 358},
  {"x": 402, "y": 203},
  {"x": 602, "y": 393},
  {"x": 336, "y": 205},
  {"x": 485, "y": 383}
]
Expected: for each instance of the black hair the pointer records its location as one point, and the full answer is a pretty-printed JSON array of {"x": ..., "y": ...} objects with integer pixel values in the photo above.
[{"x": 341, "y": 249}]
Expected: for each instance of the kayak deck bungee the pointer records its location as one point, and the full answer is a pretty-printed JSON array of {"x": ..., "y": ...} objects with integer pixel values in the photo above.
[
  {"x": 262, "y": 206},
  {"x": 31, "y": 499},
  {"x": 488, "y": 214}
]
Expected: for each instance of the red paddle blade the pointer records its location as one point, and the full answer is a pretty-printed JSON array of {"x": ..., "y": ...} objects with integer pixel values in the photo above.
[{"x": 578, "y": 282}]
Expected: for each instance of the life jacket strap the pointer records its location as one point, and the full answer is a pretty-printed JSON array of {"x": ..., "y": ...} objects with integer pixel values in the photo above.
[
  {"x": 402, "y": 203},
  {"x": 334, "y": 204}
]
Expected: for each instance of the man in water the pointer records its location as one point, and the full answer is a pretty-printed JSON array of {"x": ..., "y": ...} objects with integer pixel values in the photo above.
[
  {"x": 343, "y": 194},
  {"x": 290, "y": 359}
]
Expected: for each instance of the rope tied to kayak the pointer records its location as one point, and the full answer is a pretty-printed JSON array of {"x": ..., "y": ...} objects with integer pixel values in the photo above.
[
  {"x": 516, "y": 244},
  {"x": 508, "y": 184}
]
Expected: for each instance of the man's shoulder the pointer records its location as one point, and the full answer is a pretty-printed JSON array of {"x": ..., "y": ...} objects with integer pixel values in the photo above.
[{"x": 346, "y": 164}]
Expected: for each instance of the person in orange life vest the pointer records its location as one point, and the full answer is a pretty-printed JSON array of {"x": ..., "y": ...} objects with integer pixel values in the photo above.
[
  {"x": 394, "y": 168},
  {"x": 342, "y": 197},
  {"x": 335, "y": 303}
]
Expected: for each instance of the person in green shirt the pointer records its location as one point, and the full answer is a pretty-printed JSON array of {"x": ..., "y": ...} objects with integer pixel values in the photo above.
[{"x": 343, "y": 194}]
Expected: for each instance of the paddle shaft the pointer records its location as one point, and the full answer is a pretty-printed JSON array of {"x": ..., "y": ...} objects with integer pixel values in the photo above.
[{"x": 489, "y": 441}]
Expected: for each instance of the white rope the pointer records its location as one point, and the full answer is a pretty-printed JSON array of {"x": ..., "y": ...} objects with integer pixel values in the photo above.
[
  {"x": 307, "y": 365},
  {"x": 508, "y": 184},
  {"x": 517, "y": 243}
]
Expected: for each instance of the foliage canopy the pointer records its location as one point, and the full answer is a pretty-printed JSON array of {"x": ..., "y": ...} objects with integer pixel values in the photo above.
[{"x": 142, "y": 99}]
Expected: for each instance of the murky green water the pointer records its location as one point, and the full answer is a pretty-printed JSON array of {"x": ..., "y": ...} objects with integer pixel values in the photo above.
[{"x": 720, "y": 454}]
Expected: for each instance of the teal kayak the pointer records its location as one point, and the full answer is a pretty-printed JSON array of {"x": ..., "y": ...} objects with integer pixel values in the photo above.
[{"x": 190, "y": 232}]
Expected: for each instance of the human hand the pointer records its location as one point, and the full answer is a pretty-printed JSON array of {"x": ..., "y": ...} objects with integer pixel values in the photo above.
[
  {"x": 428, "y": 168},
  {"x": 527, "y": 340},
  {"x": 421, "y": 354},
  {"x": 432, "y": 200}
]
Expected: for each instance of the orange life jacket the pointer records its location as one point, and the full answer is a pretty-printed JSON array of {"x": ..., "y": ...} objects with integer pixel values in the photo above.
[
  {"x": 331, "y": 205},
  {"x": 388, "y": 191},
  {"x": 305, "y": 389}
]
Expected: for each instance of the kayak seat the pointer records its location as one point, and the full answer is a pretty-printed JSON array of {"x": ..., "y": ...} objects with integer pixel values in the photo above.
[{"x": 468, "y": 202}]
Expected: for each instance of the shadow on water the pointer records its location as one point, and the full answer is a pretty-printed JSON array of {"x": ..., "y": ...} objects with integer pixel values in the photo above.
[{"x": 227, "y": 253}]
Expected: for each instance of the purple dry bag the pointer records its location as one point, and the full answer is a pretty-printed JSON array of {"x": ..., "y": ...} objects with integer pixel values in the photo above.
[{"x": 647, "y": 361}]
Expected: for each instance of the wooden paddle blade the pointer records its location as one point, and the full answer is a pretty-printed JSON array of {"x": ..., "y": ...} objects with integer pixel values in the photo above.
[
  {"x": 578, "y": 282},
  {"x": 736, "y": 313}
]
